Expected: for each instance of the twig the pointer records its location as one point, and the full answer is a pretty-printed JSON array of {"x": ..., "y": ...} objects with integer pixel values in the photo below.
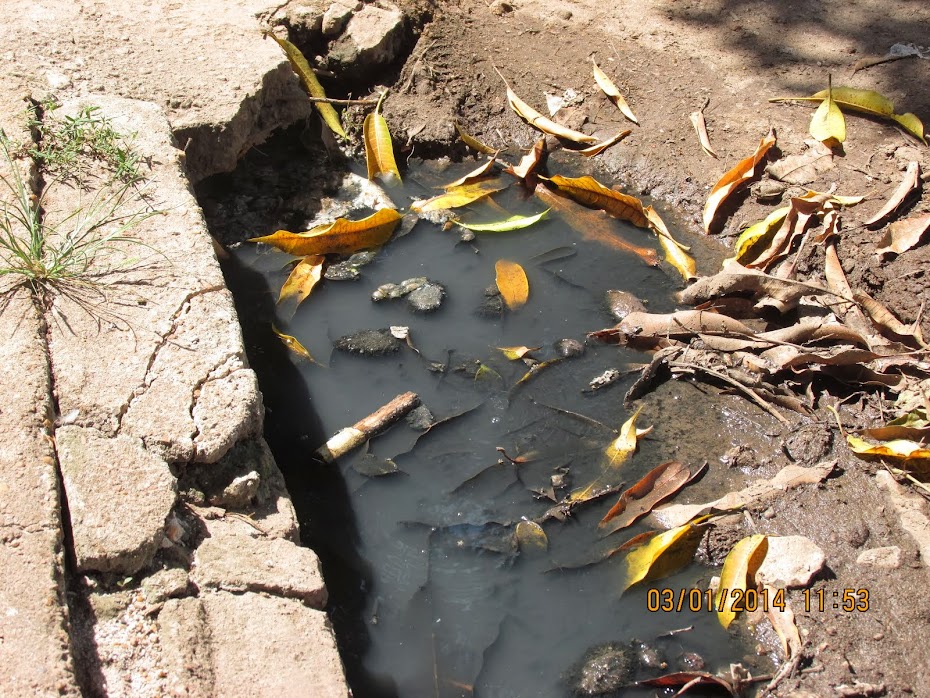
[
  {"x": 748, "y": 392},
  {"x": 343, "y": 102},
  {"x": 350, "y": 438},
  {"x": 787, "y": 671}
]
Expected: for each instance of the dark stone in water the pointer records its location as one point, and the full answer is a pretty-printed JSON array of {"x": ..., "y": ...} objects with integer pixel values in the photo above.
[
  {"x": 368, "y": 343},
  {"x": 604, "y": 670},
  {"x": 343, "y": 271},
  {"x": 420, "y": 418},
  {"x": 569, "y": 348},
  {"x": 649, "y": 656},
  {"x": 622, "y": 303},
  {"x": 692, "y": 661},
  {"x": 426, "y": 298},
  {"x": 493, "y": 304}
]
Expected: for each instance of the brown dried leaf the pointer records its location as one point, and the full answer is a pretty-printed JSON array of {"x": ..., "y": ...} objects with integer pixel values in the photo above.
[
  {"x": 341, "y": 236},
  {"x": 460, "y": 196},
  {"x": 684, "y": 680},
  {"x": 804, "y": 168},
  {"x": 482, "y": 172},
  {"x": 903, "y": 235},
  {"x": 697, "y": 120},
  {"x": 599, "y": 148},
  {"x": 909, "y": 183},
  {"x": 783, "y": 623},
  {"x": 587, "y": 190},
  {"x": 530, "y": 162},
  {"x": 472, "y": 142},
  {"x": 735, "y": 178},
  {"x": 605, "y": 83},
  {"x": 540, "y": 122},
  {"x": 656, "y": 486},
  {"x": 884, "y": 319}
]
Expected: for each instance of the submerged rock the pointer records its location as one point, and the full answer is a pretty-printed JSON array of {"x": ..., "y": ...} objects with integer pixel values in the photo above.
[
  {"x": 569, "y": 348},
  {"x": 493, "y": 304},
  {"x": 420, "y": 418},
  {"x": 368, "y": 343},
  {"x": 348, "y": 270},
  {"x": 427, "y": 298},
  {"x": 604, "y": 670},
  {"x": 622, "y": 303}
]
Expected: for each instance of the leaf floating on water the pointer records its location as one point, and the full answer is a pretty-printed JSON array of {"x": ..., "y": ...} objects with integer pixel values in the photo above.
[
  {"x": 371, "y": 465},
  {"x": 512, "y": 283},
  {"x": 302, "y": 279},
  {"x": 379, "y": 148},
  {"x": 655, "y": 487},
  {"x": 292, "y": 344},
  {"x": 505, "y": 226},
  {"x": 734, "y": 179},
  {"x": 866, "y": 102},
  {"x": 909, "y": 183},
  {"x": 472, "y": 142},
  {"x": 481, "y": 172},
  {"x": 460, "y": 196},
  {"x": 540, "y": 122},
  {"x": 341, "y": 236},
  {"x": 515, "y": 353},
  {"x": 609, "y": 89},
  {"x": 700, "y": 126},
  {"x": 530, "y": 537},
  {"x": 663, "y": 555},
  {"x": 739, "y": 566},
  {"x": 535, "y": 370},
  {"x": 587, "y": 190},
  {"x": 675, "y": 253},
  {"x": 621, "y": 448},
  {"x": 903, "y": 235},
  {"x": 828, "y": 125},
  {"x": 486, "y": 374},
  {"x": 300, "y": 66}
]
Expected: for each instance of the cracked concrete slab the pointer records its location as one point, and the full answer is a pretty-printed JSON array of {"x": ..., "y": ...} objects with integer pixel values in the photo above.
[{"x": 174, "y": 371}]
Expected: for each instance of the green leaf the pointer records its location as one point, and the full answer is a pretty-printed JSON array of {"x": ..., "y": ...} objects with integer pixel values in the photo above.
[{"x": 504, "y": 226}]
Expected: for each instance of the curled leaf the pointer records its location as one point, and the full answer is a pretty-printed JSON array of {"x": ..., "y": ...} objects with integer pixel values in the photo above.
[
  {"x": 529, "y": 163},
  {"x": 898, "y": 449},
  {"x": 456, "y": 197},
  {"x": 734, "y": 179},
  {"x": 700, "y": 126},
  {"x": 479, "y": 173},
  {"x": 663, "y": 555},
  {"x": 758, "y": 234},
  {"x": 504, "y": 226},
  {"x": 609, "y": 89},
  {"x": 599, "y": 148},
  {"x": 909, "y": 183},
  {"x": 781, "y": 617},
  {"x": 903, "y": 235},
  {"x": 472, "y": 142},
  {"x": 828, "y": 125},
  {"x": 512, "y": 283},
  {"x": 303, "y": 277},
  {"x": 675, "y": 252},
  {"x": 341, "y": 236},
  {"x": 621, "y": 448},
  {"x": 739, "y": 566},
  {"x": 379, "y": 149},
  {"x": 656, "y": 486},
  {"x": 540, "y": 122},
  {"x": 300, "y": 66}
]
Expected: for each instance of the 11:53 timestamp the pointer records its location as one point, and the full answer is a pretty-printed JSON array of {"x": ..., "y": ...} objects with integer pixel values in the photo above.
[{"x": 847, "y": 600}]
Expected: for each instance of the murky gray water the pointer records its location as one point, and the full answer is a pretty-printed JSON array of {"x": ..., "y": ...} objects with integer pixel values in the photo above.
[{"x": 450, "y": 607}]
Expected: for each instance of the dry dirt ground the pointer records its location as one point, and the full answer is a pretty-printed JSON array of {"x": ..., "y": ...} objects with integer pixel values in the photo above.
[{"x": 669, "y": 58}]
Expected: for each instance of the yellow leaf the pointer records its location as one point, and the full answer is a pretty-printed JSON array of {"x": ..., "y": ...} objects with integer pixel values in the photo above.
[
  {"x": 901, "y": 449},
  {"x": 292, "y": 344},
  {"x": 379, "y": 149},
  {"x": 828, "y": 125},
  {"x": 740, "y": 564},
  {"x": 305, "y": 72},
  {"x": 663, "y": 555},
  {"x": 621, "y": 448},
  {"x": 486, "y": 374},
  {"x": 757, "y": 233},
  {"x": 588, "y": 191},
  {"x": 735, "y": 178},
  {"x": 460, "y": 196},
  {"x": 475, "y": 175},
  {"x": 530, "y": 536},
  {"x": 605, "y": 83},
  {"x": 472, "y": 142},
  {"x": 540, "y": 122},
  {"x": 342, "y": 236},
  {"x": 675, "y": 252},
  {"x": 512, "y": 283},
  {"x": 599, "y": 148},
  {"x": 516, "y": 353},
  {"x": 303, "y": 277}
]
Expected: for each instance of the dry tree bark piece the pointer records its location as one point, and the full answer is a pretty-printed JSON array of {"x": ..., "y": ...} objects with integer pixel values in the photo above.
[{"x": 350, "y": 438}]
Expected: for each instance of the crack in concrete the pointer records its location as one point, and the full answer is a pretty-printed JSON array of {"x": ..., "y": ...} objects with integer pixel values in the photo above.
[{"x": 210, "y": 378}]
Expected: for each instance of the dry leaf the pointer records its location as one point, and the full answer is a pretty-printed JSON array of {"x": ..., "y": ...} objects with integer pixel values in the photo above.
[
  {"x": 530, "y": 163},
  {"x": 379, "y": 149},
  {"x": 651, "y": 330},
  {"x": 909, "y": 183},
  {"x": 739, "y": 566},
  {"x": 782, "y": 620},
  {"x": 599, "y": 148},
  {"x": 899, "y": 449},
  {"x": 903, "y": 235},
  {"x": 803, "y": 168},
  {"x": 303, "y": 277},
  {"x": 605, "y": 83},
  {"x": 697, "y": 120},
  {"x": 735, "y": 178},
  {"x": 656, "y": 486},
  {"x": 828, "y": 125},
  {"x": 342, "y": 236},
  {"x": 663, "y": 555},
  {"x": 472, "y": 142},
  {"x": 505, "y": 226},
  {"x": 675, "y": 252},
  {"x": 758, "y": 235},
  {"x": 593, "y": 225},
  {"x": 512, "y": 283},
  {"x": 460, "y": 196},
  {"x": 885, "y": 320},
  {"x": 621, "y": 448},
  {"x": 300, "y": 66},
  {"x": 684, "y": 680},
  {"x": 530, "y": 537},
  {"x": 587, "y": 190},
  {"x": 540, "y": 122},
  {"x": 482, "y": 172}
]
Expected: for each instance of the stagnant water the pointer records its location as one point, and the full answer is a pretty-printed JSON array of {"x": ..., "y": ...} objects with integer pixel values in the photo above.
[{"x": 429, "y": 595}]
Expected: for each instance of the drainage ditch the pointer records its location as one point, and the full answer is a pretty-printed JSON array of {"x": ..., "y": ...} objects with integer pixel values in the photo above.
[{"x": 429, "y": 593}]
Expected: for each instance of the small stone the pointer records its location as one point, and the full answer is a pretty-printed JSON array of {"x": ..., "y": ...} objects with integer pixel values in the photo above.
[
  {"x": 604, "y": 670},
  {"x": 467, "y": 236},
  {"x": 768, "y": 513},
  {"x": 608, "y": 377},
  {"x": 858, "y": 534},
  {"x": 427, "y": 298},
  {"x": 492, "y": 306},
  {"x": 386, "y": 292},
  {"x": 57, "y": 80},
  {"x": 500, "y": 7},
  {"x": 564, "y": 14},
  {"x": 337, "y": 16},
  {"x": 569, "y": 348},
  {"x": 768, "y": 190},
  {"x": 420, "y": 418},
  {"x": 368, "y": 343},
  {"x": 239, "y": 493},
  {"x": 692, "y": 661},
  {"x": 342, "y": 271},
  {"x": 372, "y": 40},
  {"x": 165, "y": 584},
  {"x": 649, "y": 656},
  {"x": 621, "y": 303},
  {"x": 791, "y": 561},
  {"x": 411, "y": 285},
  {"x": 887, "y": 558},
  {"x": 740, "y": 456}
]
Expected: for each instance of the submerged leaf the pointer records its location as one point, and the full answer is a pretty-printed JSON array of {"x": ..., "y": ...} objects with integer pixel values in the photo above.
[
  {"x": 663, "y": 555},
  {"x": 587, "y": 190},
  {"x": 512, "y": 283},
  {"x": 341, "y": 236},
  {"x": 516, "y": 353},
  {"x": 675, "y": 253},
  {"x": 735, "y": 178},
  {"x": 472, "y": 142},
  {"x": 540, "y": 122},
  {"x": 828, "y": 125},
  {"x": 292, "y": 344},
  {"x": 456, "y": 197},
  {"x": 684, "y": 680},
  {"x": 909, "y": 183},
  {"x": 621, "y": 448},
  {"x": 305, "y": 72},
  {"x": 530, "y": 537},
  {"x": 512, "y": 223},
  {"x": 303, "y": 277},
  {"x": 605, "y": 83},
  {"x": 739, "y": 566},
  {"x": 379, "y": 149},
  {"x": 481, "y": 172}
]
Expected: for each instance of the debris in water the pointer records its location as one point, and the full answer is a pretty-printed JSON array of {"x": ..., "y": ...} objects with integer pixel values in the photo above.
[{"x": 368, "y": 343}]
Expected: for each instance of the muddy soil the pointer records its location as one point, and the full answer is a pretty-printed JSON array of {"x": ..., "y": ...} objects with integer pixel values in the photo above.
[{"x": 669, "y": 59}]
